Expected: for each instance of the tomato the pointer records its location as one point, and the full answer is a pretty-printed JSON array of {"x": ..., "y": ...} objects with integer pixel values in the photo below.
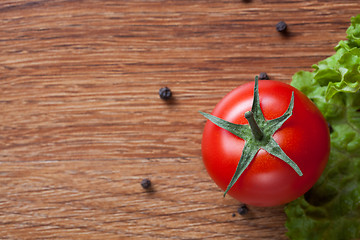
[{"x": 267, "y": 180}]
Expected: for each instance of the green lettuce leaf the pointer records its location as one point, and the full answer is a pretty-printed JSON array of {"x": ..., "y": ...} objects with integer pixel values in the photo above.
[
  {"x": 331, "y": 209},
  {"x": 353, "y": 32}
]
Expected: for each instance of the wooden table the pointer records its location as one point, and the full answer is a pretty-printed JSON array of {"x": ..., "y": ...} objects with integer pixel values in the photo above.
[{"x": 82, "y": 122}]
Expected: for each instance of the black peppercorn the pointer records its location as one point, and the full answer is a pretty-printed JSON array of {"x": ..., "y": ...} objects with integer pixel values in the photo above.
[
  {"x": 281, "y": 26},
  {"x": 243, "y": 209},
  {"x": 165, "y": 93},
  {"x": 146, "y": 183},
  {"x": 331, "y": 130},
  {"x": 263, "y": 76}
]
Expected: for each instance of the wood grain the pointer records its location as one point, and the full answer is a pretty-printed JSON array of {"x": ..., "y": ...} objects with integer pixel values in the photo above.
[{"x": 82, "y": 123}]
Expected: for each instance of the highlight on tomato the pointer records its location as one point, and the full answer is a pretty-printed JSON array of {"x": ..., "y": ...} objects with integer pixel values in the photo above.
[{"x": 265, "y": 143}]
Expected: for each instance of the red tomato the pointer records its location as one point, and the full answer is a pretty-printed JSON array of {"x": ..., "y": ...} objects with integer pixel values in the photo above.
[{"x": 268, "y": 181}]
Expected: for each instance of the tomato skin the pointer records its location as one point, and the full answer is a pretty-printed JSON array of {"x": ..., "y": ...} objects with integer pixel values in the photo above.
[{"x": 268, "y": 181}]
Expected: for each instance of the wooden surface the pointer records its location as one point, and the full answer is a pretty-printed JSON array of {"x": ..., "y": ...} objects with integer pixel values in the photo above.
[{"x": 81, "y": 122}]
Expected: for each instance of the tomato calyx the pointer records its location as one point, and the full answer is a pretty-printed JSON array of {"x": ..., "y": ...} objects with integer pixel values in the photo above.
[
  {"x": 258, "y": 134},
  {"x": 256, "y": 131}
]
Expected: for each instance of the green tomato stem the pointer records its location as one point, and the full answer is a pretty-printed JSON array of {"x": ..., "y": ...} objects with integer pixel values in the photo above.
[{"x": 256, "y": 131}]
